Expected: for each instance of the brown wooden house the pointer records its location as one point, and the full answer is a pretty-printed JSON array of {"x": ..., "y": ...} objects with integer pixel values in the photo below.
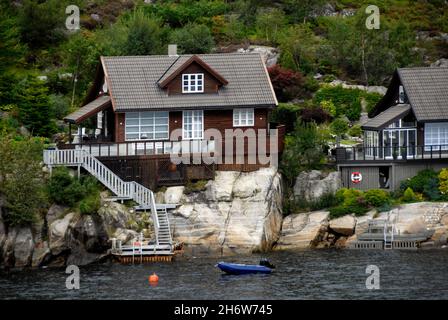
[
  {"x": 137, "y": 103},
  {"x": 407, "y": 131}
]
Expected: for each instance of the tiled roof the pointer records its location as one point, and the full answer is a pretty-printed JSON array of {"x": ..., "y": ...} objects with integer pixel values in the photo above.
[
  {"x": 88, "y": 110},
  {"x": 427, "y": 91},
  {"x": 387, "y": 117},
  {"x": 133, "y": 82}
]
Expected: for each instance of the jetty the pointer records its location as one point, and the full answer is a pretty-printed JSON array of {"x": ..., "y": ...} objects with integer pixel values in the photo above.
[{"x": 383, "y": 234}]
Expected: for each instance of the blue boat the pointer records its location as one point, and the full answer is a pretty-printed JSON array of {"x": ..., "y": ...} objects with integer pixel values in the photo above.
[{"x": 237, "y": 268}]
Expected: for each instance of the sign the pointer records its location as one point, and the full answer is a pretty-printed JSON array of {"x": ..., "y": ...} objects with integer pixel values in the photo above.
[{"x": 356, "y": 177}]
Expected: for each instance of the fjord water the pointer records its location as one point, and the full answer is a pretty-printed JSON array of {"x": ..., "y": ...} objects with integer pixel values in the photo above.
[{"x": 318, "y": 274}]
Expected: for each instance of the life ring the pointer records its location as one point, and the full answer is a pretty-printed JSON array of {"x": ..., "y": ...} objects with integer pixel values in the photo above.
[{"x": 356, "y": 177}]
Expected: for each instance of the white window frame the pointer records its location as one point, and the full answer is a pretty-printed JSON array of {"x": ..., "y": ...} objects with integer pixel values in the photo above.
[
  {"x": 142, "y": 116},
  {"x": 239, "y": 121},
  {"x": 187, "y": 83},
  {"x": 436, "y": 134},
  {"x": 185, "y": 115}
]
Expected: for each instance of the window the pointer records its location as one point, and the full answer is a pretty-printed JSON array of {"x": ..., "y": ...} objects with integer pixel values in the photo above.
[
  {"x": 151, "y": 125},
  {"x": 243, "y": 117},
  {"x": 192, "y": 83},
  {"x": 193, "y": 124},
  {"x": 436, "y": 134}
]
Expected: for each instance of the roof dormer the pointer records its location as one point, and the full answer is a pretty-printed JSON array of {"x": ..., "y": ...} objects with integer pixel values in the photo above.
[{"x": 191, "y": 75}]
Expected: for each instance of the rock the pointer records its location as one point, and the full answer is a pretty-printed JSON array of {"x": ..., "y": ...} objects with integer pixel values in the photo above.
[
  {"x": 3, "y": 234},
  {"x": 229, "y": 219},
  {"x": 23, "y": 247},
  {"x": 57, "y": 234},
  {"x": 96, "y": 17},
  {"x": 55, "y": 212},
  {"x": 40, "y": 254},
  {"x": 125, "y": 235},
  {"x": 88, "y": 232},
  {"x": 8, "y": 247},
  {"x": 344, "y": 225},
  {"x": 220, "y": 189},
  {"x": 303, "y": 230},
  {"x": 173, "y": 194},
  {"x": 371, "y": 89},
  {"x": 440, "y": 63},
  {"x": 312, "y": 185},
  {"x": 114, "y": 216},
  {"x": 270, "y": 55}
]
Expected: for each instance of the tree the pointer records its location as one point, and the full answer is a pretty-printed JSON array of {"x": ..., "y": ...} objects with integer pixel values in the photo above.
[
  {"x": 301, "y": 10},
  {"x": 21, "y": 179},
  {"x": 269, "y": 24},
  {"x": 34, "y": 107},
  {"x": 288, "y": 84},
  {"x": 339, "y": 127},
  {"x": 303, "y": 151},
  {"x": 193, "y": 38}
]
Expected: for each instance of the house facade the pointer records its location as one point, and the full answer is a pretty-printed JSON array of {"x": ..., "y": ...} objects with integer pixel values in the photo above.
[
  {"x": 142, "y": 110},
  {"x": 407, "y": 131}
]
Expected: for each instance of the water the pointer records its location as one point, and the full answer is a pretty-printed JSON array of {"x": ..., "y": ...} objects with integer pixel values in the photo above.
[{"x": 320, "y": 274}]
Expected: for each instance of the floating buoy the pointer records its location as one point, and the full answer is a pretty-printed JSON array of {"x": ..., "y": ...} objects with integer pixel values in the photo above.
[{"x": 153, "y": 278}]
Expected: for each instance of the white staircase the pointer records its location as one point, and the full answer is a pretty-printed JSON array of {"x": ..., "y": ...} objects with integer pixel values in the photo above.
[{"x": 122, "y": 189}]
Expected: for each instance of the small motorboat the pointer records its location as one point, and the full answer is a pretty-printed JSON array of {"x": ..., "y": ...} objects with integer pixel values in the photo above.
[{"x": 236, "y": 268}]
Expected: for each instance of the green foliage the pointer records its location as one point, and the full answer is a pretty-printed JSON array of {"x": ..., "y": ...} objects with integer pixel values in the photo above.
[
  {"x": 346, "y": 101},
  {"x": 21, "y": 179},
  {"x": 409, "y": 195},
  {"x": 268, "y": 25},
  {"x": 196, "y": 186},
  {"x": 351, "y": 201},
  {"x": 285, "y": 113},
  {"x": 419, "y": 181},
  {"x": 355, "y": 131},
  {"x": 443, "y": 181},
  {"x": 64, "y": 189},
  {"x": 339, "y": 126},
  {"x": 193, "y": 38},
  {"x": 303, "y": 151},
  {"x": 90, "y": 204},
  {"x": 371, "y": 99},
  {"x": 327, "y": 200},
  {"x": 34, "y": 107},
  {"x": 329, "y": 107},
  {"x": 377, "y": 197}
]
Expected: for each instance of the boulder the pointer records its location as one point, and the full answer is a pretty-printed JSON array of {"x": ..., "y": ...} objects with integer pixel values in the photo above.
[
  {"x": 303, "y": 230},
  {"x": 8, "y": 247},
  {"x": 229, "y": 219},
  {"x": 220, "y": 189},
  {"x": 57, "y": 234},
  {"x": 55, "y": 212},
  {"x": 371, "y": 89},
  {"x": 125, "y": 235},
  {"x": 23, "y": 247},
  {"x": 173, "y": 195},
  {"x": 314, "y": 184},
  {"x": 440, "y": 63},
  {"x": 40, "y": 254},
  {"x": 88, "y": 232},
  {"x": 344, "y": 225},
  {"x": 114, "y": 216},
  {"x": 3, "y": 234},
  {"x": 270, "y": 55}
]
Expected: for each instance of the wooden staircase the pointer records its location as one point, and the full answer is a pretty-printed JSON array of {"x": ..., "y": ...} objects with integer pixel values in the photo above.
[{"x": 122, "y": 189}]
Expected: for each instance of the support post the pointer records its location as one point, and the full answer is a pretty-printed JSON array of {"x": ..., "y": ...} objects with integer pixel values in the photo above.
[
  {"x": 70, "y": 133},
  {"x": 79, "y": 171}
]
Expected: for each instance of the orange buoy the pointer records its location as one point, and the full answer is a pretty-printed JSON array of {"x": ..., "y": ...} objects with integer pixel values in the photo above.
[{"x": 153, "y": 278}]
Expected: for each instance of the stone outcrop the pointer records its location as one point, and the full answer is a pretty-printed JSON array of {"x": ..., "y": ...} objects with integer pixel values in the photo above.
[
  {"x": 344, "y": 225},
  {"x": 303, "y": 230},
  {"x": 371, "y": 89},
  {"x": 238, "y": 212},
  {"x": 313, "y": 184},
  {"x": 270, "y": 55},
  {"x": 23, "y": 247}
]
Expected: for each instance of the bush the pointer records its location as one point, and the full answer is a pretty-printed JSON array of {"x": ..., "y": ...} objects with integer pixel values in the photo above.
[
  {"x": 91, "y": 204},
  {"x": 193, "y": 38},
  {"x": 197, "y": 186},
  {"x": 287, "y": 84},
  {"x": 443, "y": 181},
  {"x": 285, "y": 113},
  {"x": 346, "y": 101},
  {"x": 355, "y": 131},
  {"x": 409, "y": 195},
  {"x": 327, "y": 200},
  {"x": 342, "y": 210},
  {"x": 63, "y": 189},
  {"x": 315, "y": 114},
  {"x": 377, "y": 197},
  {"x": 419, "y": 181}
]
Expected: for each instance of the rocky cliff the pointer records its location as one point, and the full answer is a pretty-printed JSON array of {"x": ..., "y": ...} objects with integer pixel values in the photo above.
[{"x": 237, "y": 212}]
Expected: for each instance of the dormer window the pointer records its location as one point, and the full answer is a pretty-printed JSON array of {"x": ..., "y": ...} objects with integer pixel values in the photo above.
[{"x": 192, "y": 82}]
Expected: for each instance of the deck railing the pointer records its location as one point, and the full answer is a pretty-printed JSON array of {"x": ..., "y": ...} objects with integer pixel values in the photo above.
[{"x": 391, "y": 153}]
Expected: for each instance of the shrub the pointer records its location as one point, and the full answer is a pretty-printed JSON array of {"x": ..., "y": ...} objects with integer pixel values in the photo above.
[
  {"x": 355, "y": 131},
  {"x": 443, "y": 181},
  {"x": 377, "y": 197},
  {"x": 315, "y": 114},
  {"x": 342, "y": 210},
  {"x": 90, "y": 204},
  {"x": 285, "y": 113},
  {"x": 418, "y": 182},
  {"x": 193, "y": 38},
  {"x": 197, "y": 186},
  {"x": 346, "y": 101},
  {"x": 327, "y": 200},
  {"x": 409, "y": 195},
  {"x": 287, "y": 84}
]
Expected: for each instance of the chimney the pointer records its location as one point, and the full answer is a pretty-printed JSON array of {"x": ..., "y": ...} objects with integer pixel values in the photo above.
[{"x": 172, "y": 50}]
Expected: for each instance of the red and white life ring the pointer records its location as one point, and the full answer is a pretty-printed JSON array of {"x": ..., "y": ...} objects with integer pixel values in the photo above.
[{"x": 356, "y": 177}]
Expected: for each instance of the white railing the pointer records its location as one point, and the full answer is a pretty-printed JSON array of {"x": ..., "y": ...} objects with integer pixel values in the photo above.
[{"x": 132, "y": 190}]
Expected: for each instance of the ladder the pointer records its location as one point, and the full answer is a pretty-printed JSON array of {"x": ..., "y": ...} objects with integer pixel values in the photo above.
[
  {"x": 122, "y": 189},
  {"x": 389, "y": 230}
]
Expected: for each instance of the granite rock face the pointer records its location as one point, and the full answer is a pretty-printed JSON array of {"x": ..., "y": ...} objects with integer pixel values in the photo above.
[
  {"x": 312, "y": 185},
  {"x": 238, "y": 212}
]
